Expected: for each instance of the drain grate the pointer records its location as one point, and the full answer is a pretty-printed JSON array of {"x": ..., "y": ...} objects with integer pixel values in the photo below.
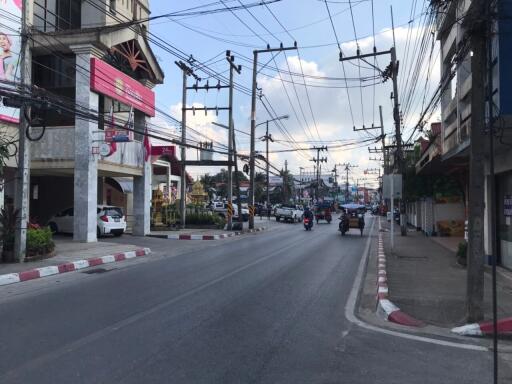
[{"x": 97, "y": 270}]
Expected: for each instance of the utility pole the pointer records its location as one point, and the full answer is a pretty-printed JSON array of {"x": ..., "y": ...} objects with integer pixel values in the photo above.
[
  {"x": 22, "y": 192},
  {"x": 475, "y": 259},
  {"x": 347, "y": 166},
  {"x": 285, "y": 179},
  {"x": 253, "y": 124},
  {"x": 492, "y": 184},
  {"x": 391, "y": 72},
  {"x": 267, "y": 138},
  {"x": 238, "y": 69},
  {"x": 318, "y": 160},
  {"x": 187, "y": 71},
  {"x": 301, "y": 169}
]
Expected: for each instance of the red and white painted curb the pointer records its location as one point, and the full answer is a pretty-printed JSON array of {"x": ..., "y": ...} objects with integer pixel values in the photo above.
[
  {"x": 484, "y": 328},
  {"x": 37, "y": 273},
  {"x": 385, "y": 308},
  {"x": 206, "y": 237}
]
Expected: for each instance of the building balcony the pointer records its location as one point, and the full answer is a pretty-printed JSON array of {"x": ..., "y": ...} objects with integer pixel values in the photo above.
[{"x": 56, "y": 150}]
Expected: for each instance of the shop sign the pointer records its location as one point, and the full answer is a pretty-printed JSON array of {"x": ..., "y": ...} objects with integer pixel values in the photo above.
[
  {"x": 507, "y": 205},
  {"x": 118, "y": 135},
  {"x": 10, "y": 47},
  {"x": 166, "y": 150},
  {"x": 113, "y": 83}
]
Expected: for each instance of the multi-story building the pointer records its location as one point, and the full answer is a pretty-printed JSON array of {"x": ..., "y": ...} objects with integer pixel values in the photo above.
[
  {"x": 454, "y": 34},
  {"x": 95, "y": 56}
]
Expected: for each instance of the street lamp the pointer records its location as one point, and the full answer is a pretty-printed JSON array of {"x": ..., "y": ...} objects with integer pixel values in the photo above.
[{"x": 266, "y": 138}]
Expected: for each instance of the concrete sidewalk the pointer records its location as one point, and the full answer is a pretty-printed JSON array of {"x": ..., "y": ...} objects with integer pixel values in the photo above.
[
  {"x": 66, "y": 251},
  {"x": 426, "y": 281}
]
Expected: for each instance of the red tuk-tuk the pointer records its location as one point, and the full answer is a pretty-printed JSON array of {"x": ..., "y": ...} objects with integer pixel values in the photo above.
[{"x": 323, "y": 212}]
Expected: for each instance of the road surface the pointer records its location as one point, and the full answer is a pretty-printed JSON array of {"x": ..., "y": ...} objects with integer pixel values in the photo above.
[{"x": 262, "y": 308}]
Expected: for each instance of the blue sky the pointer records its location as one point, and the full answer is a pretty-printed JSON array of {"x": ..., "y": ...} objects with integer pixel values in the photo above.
[{"x": 335, "y": 111}]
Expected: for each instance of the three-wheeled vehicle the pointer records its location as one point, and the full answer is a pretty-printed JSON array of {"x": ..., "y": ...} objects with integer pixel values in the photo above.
[
  {"x": 323, "y": 212},
  {"x": 352, "y": 217}
]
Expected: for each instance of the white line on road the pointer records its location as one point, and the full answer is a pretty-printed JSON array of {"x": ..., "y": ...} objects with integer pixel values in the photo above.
[{"x": 350, "y": 309}]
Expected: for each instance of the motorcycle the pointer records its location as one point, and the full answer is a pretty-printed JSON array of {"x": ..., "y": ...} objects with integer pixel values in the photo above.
[
  {"x": 308, "y": 224},
  {"x": 344, "y": 225}
]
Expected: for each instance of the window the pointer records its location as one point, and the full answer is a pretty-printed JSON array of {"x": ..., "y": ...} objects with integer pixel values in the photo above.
[
  {"x": 57, "y": 75},
  {"x": 57, "y": 15},
  {"x": 112, "y": 6}
]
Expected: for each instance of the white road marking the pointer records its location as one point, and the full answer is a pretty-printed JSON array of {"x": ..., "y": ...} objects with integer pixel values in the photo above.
[{"x": 350, "y": 309}]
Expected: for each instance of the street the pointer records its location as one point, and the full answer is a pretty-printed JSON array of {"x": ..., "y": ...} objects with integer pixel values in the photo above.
[{"x": 262, "y": 308}]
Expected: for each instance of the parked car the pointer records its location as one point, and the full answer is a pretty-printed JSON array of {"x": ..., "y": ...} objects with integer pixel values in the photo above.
[
  {"x": 110, "y": 220},
  {"x": 221, "y": 208},
  {"x": 293, "y": 213}
]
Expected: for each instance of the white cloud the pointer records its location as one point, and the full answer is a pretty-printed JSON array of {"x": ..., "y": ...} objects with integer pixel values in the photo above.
[{"x": 331, "y": 105}]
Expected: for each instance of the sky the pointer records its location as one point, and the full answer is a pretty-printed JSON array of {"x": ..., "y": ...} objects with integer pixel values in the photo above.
[{"x": 327, "y": 112}]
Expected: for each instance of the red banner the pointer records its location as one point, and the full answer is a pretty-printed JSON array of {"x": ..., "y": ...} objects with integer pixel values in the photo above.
[
  {"x": 168, "y": 150},
  {"x": 111, "y": 82}
]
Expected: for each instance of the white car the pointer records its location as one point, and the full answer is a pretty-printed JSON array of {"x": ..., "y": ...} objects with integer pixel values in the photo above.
[
  {"x": 221, "y": 207},
  {"x": 110, "y": 220},
  {"x": 293, "y": 213}
]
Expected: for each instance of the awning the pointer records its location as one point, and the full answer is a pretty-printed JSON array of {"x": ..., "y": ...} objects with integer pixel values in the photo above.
[{"x": 126, "y": 183}]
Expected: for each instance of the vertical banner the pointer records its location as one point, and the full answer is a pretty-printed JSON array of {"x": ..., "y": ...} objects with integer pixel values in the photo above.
[{"x": 10, "y": 48}]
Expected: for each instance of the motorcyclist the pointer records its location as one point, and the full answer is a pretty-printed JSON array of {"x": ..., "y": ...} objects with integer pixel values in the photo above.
[
  {"x": 309, "y": 215},
  {"x": 343, "y": 219}
]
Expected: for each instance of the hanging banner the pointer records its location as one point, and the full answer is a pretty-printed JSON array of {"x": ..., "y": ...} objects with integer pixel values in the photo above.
[
  {"x": 10, "y": 48},
  {"x": 163, "y": 150},
  {"x": 109, "y": 81}
]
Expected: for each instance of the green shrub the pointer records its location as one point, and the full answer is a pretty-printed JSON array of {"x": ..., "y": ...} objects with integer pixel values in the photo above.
[
  {"x": 39, "y": 241},
  {"x": 462, "y": 252}
]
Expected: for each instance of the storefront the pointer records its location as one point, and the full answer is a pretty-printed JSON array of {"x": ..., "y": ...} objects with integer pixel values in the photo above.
[{"x": 504, "y": 218}]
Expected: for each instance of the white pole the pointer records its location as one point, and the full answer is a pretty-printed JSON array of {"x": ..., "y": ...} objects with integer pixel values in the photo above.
[{"x": 392, "y": 212}]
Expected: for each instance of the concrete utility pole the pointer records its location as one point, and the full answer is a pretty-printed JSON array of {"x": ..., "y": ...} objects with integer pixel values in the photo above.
[
  {"x": 253, "y": 124},
  {"x": 187, "y": 71},
  {"x": 232, "y": 69},
  {"x": 492, "y": 184},
  {"x": 22, "y": 191},
  {"x": 301, "y": 169},
  {"x": 475, "y": 257},
  {"x": 267, "y": 138},
  {"x": 317, "y": 161},
  {"x": 285, "y": 179},
  {"x": 399, "y": 164}
]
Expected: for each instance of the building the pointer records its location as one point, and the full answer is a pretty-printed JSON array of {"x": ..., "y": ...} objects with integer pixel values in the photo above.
[
  {"x": 95, "y": 57},
  {"x": 454, "y": 37}
]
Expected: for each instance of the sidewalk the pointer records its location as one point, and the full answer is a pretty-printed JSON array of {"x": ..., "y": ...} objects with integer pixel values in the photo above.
[
  {"x": 69, "y": 256},
  {"x": 426, "y": 282}
]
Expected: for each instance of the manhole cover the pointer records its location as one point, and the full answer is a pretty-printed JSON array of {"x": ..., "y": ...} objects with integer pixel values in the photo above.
[{"x": 97, "y": 270}]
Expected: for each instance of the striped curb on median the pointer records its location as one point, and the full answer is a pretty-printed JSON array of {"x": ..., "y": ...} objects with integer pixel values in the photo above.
[
  {"x": 385, "y": 308},
  {"x": 206, "y": 237},
  {"x": 11, "y": 278},
  {"x": 484, "y": 328}
]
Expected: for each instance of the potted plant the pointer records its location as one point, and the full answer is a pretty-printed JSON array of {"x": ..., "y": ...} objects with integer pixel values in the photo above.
[
  {"x": 39, "y": 243},
  {"x": 462, "y": 252},
  {"x": 8, "y": 219}
]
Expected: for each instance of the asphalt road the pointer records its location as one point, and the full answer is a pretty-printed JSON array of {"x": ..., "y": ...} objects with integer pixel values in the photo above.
[{"x": 264, "y": 308}]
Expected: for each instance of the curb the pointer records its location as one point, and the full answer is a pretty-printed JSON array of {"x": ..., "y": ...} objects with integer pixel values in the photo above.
[
  {"x": 385, "y": 308},
  {"x": 206, "y": 237},
  {"x": 484, "y": 328},
  {"x": 11, "y": 278}
]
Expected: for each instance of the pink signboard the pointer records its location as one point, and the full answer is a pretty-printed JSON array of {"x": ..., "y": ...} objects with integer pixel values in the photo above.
[
  {"x": 163, "y": 150},
  {"x": 111, "y": 82},
  {"x": 10, "y": 43}
]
